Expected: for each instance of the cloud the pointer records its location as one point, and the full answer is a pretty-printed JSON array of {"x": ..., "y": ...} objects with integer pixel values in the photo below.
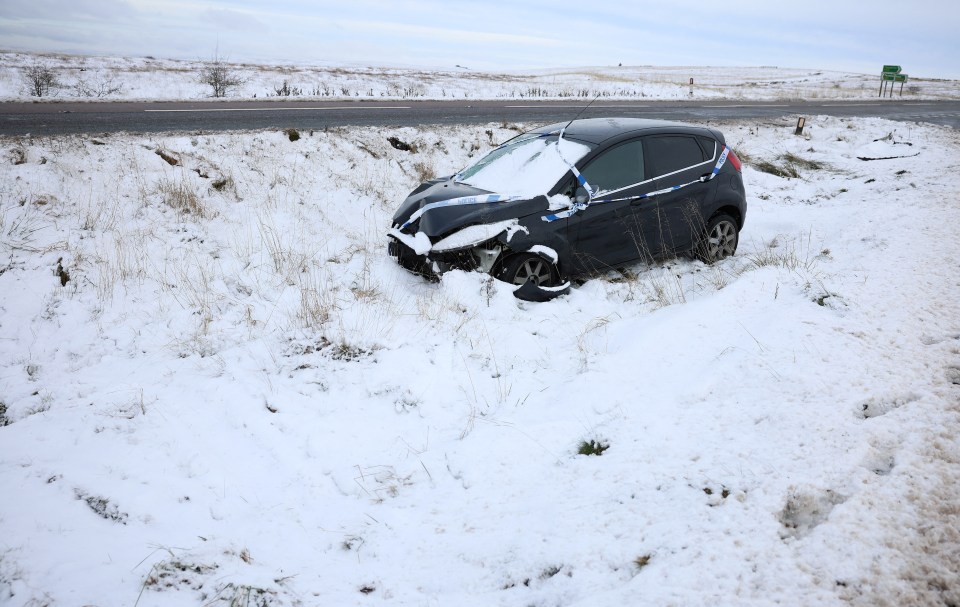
[
  {"x": 64, "y": 10},
  {"x": 233, "y": 20},
  {"x": 502, "y": 34}
]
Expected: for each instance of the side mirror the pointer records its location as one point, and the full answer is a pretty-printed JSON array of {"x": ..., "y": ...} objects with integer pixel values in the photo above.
[{"x": 581, "y": 196}]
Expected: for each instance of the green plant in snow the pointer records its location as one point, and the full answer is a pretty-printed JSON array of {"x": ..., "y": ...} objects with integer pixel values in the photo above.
[{"x": 592, "y": 447}]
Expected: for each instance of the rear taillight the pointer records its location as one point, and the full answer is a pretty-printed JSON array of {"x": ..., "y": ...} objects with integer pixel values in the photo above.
[{"x": 732, "y": 157}]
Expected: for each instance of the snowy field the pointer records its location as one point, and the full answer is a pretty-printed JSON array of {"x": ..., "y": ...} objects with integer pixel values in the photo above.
[
  {"x": 115, "y": 78},
  {"x": 217, "y": 389}
]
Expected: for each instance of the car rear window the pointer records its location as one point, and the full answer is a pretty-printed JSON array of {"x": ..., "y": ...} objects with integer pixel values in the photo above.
[{"x": 709, "y": 147}]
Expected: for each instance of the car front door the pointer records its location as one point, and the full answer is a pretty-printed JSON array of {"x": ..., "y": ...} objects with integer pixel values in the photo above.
[{"x": 608, "y": 233}]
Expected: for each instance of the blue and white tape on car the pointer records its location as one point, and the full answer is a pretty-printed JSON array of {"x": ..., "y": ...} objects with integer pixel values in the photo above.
[
  {"x": 453, "y": 202},
  {"x": 576, "y": 208}
]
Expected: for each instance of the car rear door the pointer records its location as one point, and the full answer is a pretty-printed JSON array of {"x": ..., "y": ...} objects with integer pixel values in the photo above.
[{"x": 674, "y": 218}]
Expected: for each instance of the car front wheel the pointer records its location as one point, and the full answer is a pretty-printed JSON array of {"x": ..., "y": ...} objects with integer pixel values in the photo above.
[
  {"x": 720, "y": 240},
  {"x": 528, "y": 267}
]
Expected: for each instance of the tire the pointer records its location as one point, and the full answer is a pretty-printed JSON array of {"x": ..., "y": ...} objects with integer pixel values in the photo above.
[
  {"x": 520, "y": 268},
  {"x": 719, "y": 241}
]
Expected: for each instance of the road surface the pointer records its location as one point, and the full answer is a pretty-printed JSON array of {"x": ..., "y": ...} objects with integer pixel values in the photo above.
[{"x": 53, "y": 118}]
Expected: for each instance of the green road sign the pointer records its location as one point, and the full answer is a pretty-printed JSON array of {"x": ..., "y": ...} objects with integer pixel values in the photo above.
[{"x": 891, "y": 73}]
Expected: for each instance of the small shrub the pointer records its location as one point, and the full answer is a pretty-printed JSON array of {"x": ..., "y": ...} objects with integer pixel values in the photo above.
[
  {"x": 285, "y": 90},
  {"x": 4, "y": 420},
  {"x": 219, "y": 76},
  {"x": 41, "y": 80},
  {"x": 98, "y": 89},
  {"x": 592, "y": 447},
  {"x": 292, "y": 134}
]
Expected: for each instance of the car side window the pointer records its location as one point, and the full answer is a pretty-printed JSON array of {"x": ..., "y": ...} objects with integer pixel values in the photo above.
[
  {"x": 670, "y": 153},
  {"x": 616, "y": 168}
]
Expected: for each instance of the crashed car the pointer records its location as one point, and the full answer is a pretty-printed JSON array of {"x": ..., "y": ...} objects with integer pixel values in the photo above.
[{"x": 574, "y": 199}]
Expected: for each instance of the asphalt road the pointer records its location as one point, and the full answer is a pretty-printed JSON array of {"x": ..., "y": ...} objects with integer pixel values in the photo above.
[{"x": 52, "y": 118}]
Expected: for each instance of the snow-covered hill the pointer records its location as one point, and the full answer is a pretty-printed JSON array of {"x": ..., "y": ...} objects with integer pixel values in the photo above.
[
  {"x": 148, "y": 78},
  {"x": 217, "y": 388}
]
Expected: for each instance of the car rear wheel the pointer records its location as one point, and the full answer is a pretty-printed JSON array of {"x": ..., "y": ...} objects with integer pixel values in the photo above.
[
  {"x": 528, "y": 267},
  {"x": 720, "y": 240}
]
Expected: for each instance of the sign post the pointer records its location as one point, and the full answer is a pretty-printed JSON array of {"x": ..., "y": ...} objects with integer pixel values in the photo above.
[
  {"x": 901, "y": 78},
  {"x": 891, "y": 74}
]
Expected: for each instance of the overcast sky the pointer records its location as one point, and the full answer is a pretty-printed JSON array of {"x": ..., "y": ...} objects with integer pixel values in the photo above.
[{"x": 503, "y": 34}]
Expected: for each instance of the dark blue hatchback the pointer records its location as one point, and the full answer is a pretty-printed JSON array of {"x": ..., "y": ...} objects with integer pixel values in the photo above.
[{"x": 580, "y": 198}]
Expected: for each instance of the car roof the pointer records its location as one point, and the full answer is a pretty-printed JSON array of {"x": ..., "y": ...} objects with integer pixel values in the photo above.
[{"x": 598, "y": 130}]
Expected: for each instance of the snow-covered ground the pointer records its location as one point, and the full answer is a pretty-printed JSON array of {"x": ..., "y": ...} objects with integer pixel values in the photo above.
[
  {"x": 217, "y": 388},
  {"x": 114, "y": 78}
]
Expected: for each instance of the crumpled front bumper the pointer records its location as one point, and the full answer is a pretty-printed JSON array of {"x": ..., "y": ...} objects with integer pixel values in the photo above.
[{"x": 432, "y": 265}]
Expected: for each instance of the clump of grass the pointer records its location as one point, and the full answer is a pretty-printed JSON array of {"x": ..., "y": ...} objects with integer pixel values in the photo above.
[
  {"x": 810, "y": 165},
  {"x": 642, "y": 561},
  {"x": 292, "y": 134},
  {"x": 174, "y": 573},
  {"x": 178, "y": 195},
  {"x": 102, "y": 507},
  {"x": 792, "y": 255},
  {"x": 222, "y": 183},
  {"x": 347, "y": 352},
  {"x": 786, "y": 165},
  {"x": 780, "y": 170},
  {"x": 592, "y": 447},
  {"x": 245, "y": 595},
  {"x": 550, "y": 571},
  {"x": 424, "y": 171}
]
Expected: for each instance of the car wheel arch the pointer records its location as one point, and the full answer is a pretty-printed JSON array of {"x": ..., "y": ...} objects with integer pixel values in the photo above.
[
  {"x": 732, "y": 211},
  {"x": 521, "y": 244},
  {"x": 507, "y": 261}
]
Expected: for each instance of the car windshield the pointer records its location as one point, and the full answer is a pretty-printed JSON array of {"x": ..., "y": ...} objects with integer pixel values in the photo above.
[{"x": 528, "y": 165}]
